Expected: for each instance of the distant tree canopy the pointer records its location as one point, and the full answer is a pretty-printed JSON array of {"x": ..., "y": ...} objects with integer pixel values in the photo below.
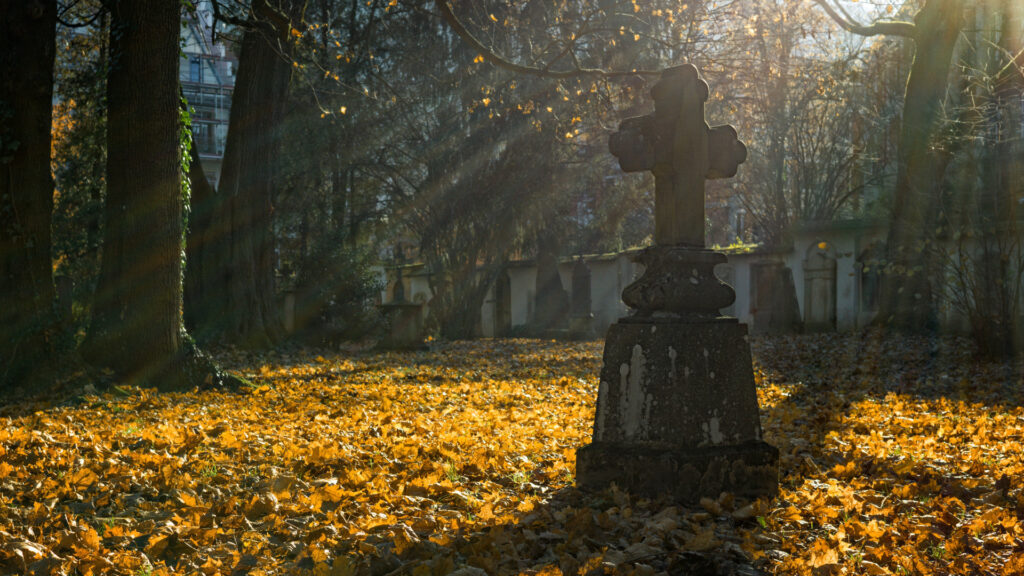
[{"x": 475, "y": 129}]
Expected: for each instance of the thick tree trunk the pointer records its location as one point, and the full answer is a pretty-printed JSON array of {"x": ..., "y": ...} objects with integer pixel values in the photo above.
[
  {"x": 463, "y": 319},
  {"x": 238, "y": 301},
  {"x": 455, "y": 308},
  {"x": 995, "y": 318},
  {"x": 197, "y": 277},
  {"x": 27, "y": 47},
  {"x": 908, "y": 302},
  {"x": 775, "y": 60},
  {"x": 136, "y": 327}
]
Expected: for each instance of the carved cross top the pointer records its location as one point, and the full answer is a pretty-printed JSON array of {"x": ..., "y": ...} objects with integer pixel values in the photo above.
[{"x": 678, "y": 146}]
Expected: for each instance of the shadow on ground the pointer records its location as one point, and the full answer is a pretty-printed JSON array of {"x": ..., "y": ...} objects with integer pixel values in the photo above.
[
  {"x": 815, "y": 391},
  {"x": 572, "y": 532},
  {"x": 823, "y": 377}
]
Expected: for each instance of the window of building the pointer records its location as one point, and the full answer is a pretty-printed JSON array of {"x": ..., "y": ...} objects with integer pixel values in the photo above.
[
  {"x": 195, "y": 70},
  {"x": 203, "y": 137}
]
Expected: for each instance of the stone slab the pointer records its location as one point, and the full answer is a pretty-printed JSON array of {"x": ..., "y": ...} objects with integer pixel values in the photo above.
[
  {"x": 677, "y": 412},
  {"x": 406, "y": 327},
  {"x": 681, "y": 383},
  {"x": 684, "y": 474}
]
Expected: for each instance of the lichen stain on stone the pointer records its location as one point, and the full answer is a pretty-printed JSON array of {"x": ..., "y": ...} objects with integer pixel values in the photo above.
[
  {"x": 672, "y": 355},
  {"x": 633, "y": 403},
  {"x": 602, "y": 409},
  {"x": 714, "y": 431}
]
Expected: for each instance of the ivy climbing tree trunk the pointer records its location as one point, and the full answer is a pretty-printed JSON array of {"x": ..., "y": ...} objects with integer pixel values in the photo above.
[
  {"x": 136, "y": 328},
  {"x": 236, "y": 292},
  {"x": 27, "y": 47}
]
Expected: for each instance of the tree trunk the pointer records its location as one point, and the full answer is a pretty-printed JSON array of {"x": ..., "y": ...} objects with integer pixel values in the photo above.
[
  {"x": 456, "y": 307},
  {"x": 197, "y": 277},
  {"x": 238, "y": 302},
  {"x": 27, "y": 48},
  {"x": 908, "y": 302},
  {"x": 136, "y": 327},
  {"x": 997, "y": 269},
  {"x": 778, "y": 119},
  {"x": 463, "y": 319}
]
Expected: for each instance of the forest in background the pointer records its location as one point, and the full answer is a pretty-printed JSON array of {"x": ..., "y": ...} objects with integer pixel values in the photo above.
[{"x": 361, "y": 127}]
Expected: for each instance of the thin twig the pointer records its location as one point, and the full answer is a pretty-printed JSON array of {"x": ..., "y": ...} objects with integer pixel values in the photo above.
[{"x": 493, "y": 57}]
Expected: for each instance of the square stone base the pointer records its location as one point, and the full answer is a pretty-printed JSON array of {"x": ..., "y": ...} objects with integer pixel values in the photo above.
[
  {"x": 684, "y": 474},
  {"x": 406, "y": 331}
]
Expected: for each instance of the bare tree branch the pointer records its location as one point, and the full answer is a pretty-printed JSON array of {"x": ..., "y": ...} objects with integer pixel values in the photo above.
[
  {"x": 219, "y": 16},
  {"x": 64, "y": 9},
  {"x": 886, "y": 27},
  {"x": 491, "y": 56}
]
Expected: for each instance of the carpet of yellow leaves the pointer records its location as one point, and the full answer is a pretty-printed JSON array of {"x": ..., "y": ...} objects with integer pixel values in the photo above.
[{"x": 898, "y": 457}]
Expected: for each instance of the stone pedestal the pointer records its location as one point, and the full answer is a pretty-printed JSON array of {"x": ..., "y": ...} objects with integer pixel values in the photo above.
[
  {"x": 677, "y": 413},
  {"x": 677, "y": 410},
  {"x": 406, "y": 330},
  {"x": 582, "y": 327},
  {"x": 289, "y": 311}
]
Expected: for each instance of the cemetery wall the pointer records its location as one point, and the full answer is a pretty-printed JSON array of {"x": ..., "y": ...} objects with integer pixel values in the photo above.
[
  {"x": 845, "y": 246},
  {"x": 831, "y": 264}
]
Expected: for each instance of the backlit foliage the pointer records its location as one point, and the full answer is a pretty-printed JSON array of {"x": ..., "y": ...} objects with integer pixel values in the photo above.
[{"x": 898, "y": 458}]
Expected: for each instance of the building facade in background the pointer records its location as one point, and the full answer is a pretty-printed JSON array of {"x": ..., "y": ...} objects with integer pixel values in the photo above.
[{"x": 207, "y": 74}]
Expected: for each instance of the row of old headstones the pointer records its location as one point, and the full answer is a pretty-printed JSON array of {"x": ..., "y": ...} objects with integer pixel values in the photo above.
[{"x": 556, "y": 313}]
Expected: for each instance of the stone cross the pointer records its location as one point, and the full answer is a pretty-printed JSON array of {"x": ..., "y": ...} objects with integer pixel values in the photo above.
[
  {"x": 677, "y": 409},
  {"x": 678, "y": 146}
]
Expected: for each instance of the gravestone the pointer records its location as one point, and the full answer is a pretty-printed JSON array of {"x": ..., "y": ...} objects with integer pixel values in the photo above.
[
  {"x": 405, "y": 319},
  {"x": 551, "y": 301},
  {"x": 677, "y": 411},
  {"x": 775, "y": 307},
  {"x": 289, "y": 311},
  {"x": 502, "y": 304},
  {"x": 581, "y": 319},
  {"x": 819, "y": 289}
]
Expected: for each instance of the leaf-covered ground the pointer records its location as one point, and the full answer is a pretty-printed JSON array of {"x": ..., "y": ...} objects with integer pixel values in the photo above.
[{"x": 899, "y": 457}]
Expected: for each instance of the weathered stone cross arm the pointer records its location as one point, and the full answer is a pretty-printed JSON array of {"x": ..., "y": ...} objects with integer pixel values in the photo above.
[
  {"x": 633, "y": 145},
  {"x": 678, "y": 146}
]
